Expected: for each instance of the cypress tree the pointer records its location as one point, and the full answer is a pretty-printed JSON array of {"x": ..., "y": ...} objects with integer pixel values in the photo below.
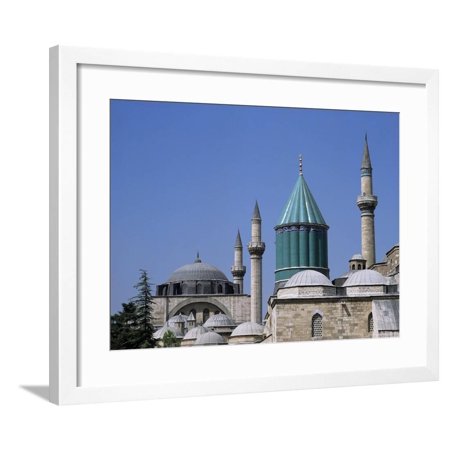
[{"x": 133, "y": 327}]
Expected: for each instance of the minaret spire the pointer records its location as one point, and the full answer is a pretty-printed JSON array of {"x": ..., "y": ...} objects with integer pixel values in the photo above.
[
  {"x": 256, "y": 249},
  {"x": 238, "y": 269},
  {"x": 367, "y": 202},
  {"x": 366, "y": 164},
  {"x": 300, "y": 164},
  {"x": 256, "y": 213}
]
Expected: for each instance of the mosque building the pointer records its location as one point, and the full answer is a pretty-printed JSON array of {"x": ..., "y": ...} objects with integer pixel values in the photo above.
[{"x": 201, "y": 306}]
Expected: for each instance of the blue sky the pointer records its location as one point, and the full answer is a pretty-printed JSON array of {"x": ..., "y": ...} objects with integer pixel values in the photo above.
[{"x": 185, "y": 177}]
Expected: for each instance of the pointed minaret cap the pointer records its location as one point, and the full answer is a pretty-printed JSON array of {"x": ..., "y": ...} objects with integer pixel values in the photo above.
[
  {"x": 256, "y": 213},
  {"x": 197, "y": 259},
  {"x": 366, "y": 164},
  {"x": 238, "y": 242}
]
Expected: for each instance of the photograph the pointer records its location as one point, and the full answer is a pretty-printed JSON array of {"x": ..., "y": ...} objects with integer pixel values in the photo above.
[{"x": 242, "y": 224}]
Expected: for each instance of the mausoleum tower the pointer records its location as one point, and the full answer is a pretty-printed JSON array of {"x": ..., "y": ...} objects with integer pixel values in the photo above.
[
  {"x": 367, "y": 202},
  {"x": 256, "y": 249},
  {"x": 238, "y": 269},
  {"x": 301, "y": 235}
]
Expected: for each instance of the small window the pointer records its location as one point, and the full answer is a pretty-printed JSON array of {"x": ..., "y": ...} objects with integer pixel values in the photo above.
[
  {"x": 219, "y": 289},
  {"x": 353, "y": 267},
  {"x": 359, "y": 266},
  {"x": 317, "y": 326},
  {"x": 370, "y": 323}
]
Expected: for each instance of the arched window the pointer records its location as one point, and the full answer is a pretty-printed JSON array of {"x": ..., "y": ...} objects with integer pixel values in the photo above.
[
  {"x": 359, "y": 266},
  {"x": 370, "y": 323},
  {"x": 317, "y": 326},
  {"x": 353, "y": 267},
  {"x": 205, "y": 315},
  {"x": 219, "y": 289}
]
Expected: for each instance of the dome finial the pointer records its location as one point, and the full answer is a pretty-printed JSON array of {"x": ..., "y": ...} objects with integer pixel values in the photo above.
[
  {"x": 300, "y": 164},
  {"x": 197, "y": 259}
]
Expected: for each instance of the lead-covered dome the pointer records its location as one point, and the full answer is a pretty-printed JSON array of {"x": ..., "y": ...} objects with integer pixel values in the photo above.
[
  {"x": 210, "y": 338},
  {"x": 194, "y": 333},
  {"x": 219, "y": 320},
  {"x": 197, "y": 271},
  {"x": 159, "y": 334},
  {"x": 308, "y": 278},
  {"x": 179, "y": 318},
  {"x": 248, "y": 329},
  {"x": 365, "y": 277}
]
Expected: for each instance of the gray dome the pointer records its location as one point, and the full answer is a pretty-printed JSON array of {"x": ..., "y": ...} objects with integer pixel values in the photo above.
[
  {"x": 210, "y": 338},
  {"x": 197, "y": 271},
  {"x": 357, "y": 256},
  {"x": 179, "y": 318},
  {"x": 308, "y": 278},
  {"x": 194, "y": 333},
  {"x": 248, "y": 329},
  {"x": 365, "y": 278},
  {"x": 219, "y": 320},
  {"x": 159, "y": 334}
]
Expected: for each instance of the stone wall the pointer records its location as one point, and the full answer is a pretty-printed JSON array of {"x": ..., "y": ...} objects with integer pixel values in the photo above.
[
  {"x": 235, "y": 306},
  {"x": 341, "y": 319}
]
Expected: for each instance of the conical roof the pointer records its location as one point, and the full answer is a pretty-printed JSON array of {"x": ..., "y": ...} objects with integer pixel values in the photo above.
[
  {"x": 256, "y": 213},
  {"x": 366, "y": 164},
  {"x": 301, "y": 206},
  {"x": 238, "y": 242}
]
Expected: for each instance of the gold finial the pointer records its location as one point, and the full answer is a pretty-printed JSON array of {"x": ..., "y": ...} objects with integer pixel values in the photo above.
[{"x": 300, "y": 164}]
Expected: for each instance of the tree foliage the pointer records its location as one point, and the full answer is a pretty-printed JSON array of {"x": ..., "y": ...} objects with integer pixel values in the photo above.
[
  {"x": 170, "y": 340},
  {"x": 133, "y": 326}
]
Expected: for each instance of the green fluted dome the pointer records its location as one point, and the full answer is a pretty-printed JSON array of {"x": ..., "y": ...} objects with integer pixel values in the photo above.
[{"x": 301, "y": 206}]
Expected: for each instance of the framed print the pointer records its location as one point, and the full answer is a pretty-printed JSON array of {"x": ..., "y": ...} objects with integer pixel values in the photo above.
[{"x": 228, "y": 225}]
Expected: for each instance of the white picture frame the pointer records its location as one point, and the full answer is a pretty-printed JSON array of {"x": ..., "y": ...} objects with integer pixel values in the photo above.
[{"x": 67, "y": 330}]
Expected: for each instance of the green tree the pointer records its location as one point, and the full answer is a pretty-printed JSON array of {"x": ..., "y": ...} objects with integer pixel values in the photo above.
[
  {"x": 123, "y": 326},
  {"x": 170, "y": 340},
  {"x": 133, "y": 326}
]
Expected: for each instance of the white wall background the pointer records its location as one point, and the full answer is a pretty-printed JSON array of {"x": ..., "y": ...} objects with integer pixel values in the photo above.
[{"x": 412, "y": 33}]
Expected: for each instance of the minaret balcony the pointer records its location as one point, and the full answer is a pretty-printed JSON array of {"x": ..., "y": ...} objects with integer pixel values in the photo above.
[
  {"x": 256, "y": 248},
  {"x": 367, "y": 202},
  {"x": 238, "y": 271}
]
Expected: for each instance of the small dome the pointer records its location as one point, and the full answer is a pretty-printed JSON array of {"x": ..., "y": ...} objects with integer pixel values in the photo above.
[
  {"x": 219, "y": 320},
  {"x": 364, "y": 278},
  {"x": 179, "y": 318},
  {"x": 197, "y": 271},
  {"x": 308, "y": 278},
  {"x": 159, "y": 334},
  {"x": 210, "y": 338},
  {"x": 248, "y": 329},
  {"x": 194, "y": 333},
  {"x": 357, "y": 256}
]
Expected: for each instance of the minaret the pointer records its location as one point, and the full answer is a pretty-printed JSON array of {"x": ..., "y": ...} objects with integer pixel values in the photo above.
[
  {"x": 256, "y": 249},
  {"x": 367, "y": 202},
  {"x": 238, "y": 269}
]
